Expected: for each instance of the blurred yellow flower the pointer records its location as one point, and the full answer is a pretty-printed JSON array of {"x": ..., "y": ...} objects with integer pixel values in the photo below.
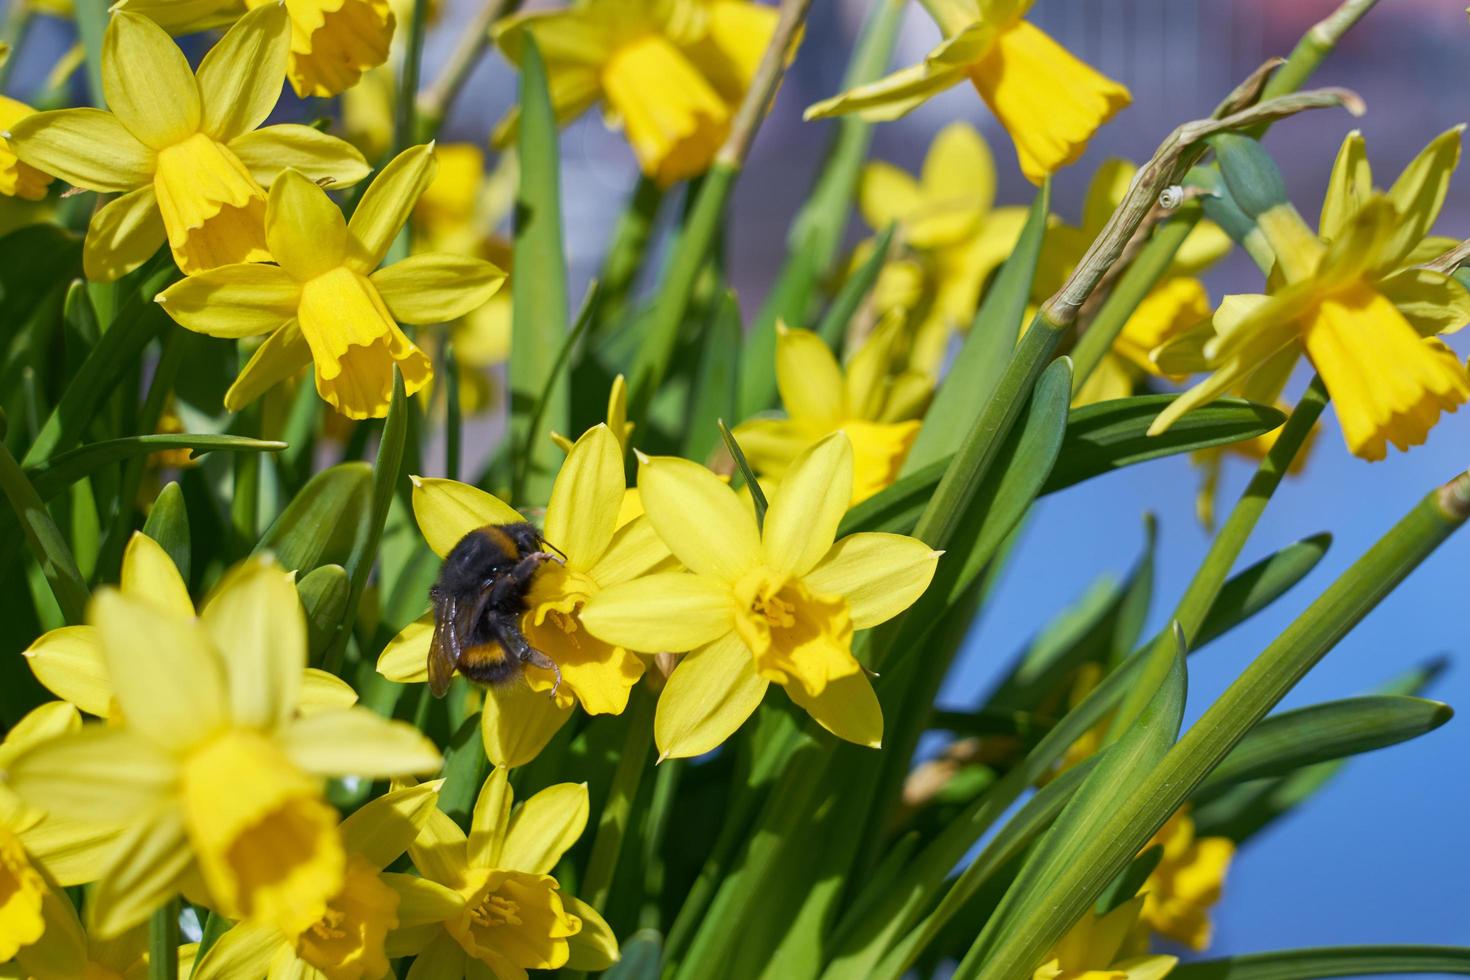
[
  {"x": 18, "y": 179},
  {"x": 945, "y": 220},
  {"x": 1352, "y": 298},
  {"x": 185, "y": 152},
  {"x": 1178, "y": 895},
  {"x": 669, "y": 73},
  {"x": 325, "y": 303},
  {"x": 761, "y": 605},
  {"x": 210, "y": 768},
  {"x": 581, "y": 523},
  {"x": 1048, "y": 101},
  {"x": 877, "y": 410},
  {"x": 332, "y": 41},
  {"x": 488, "y": 899},
  {"x": 349, "y": 941},
  {"x": 1105, "y": 947}
]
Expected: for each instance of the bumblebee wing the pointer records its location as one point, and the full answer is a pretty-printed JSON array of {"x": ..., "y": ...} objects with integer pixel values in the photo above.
[{"x": 441, "y": 656}]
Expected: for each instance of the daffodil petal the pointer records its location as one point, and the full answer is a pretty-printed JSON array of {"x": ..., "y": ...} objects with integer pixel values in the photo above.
[
  {"x": 257, "y": 624},
  {"x": 318, "y": 156},
  {"x": 1348, "y": 186},
  {"x": 152, "y": 856},
  {"x": 958, "y": 183},
  {"x": 439, "y": 850},
  {"x": 322, "y": 691},
  {"x": 668, "y": 611},
  {"x": 41, "y": 724},
  {"x": 517, "y": 722},
  {"x": 447, "y": 510},
  {"x": 595, "y": 947},
  {"x": 387, "y": 204},
  {"x": 382, "y": 829},
  {"x": 879, "y": 574},
  {"x": 1432, "y": 302},
  {"x": 809, "y": 379},
  {"x": 148, "y": 82},
  {"x": 545, "y": 827},
  {"x": 583, "y": 511},
  {"x": 886, "y": 195},
  {"x": 891, "y": 97},
  {"x": 165, "y": 672},
  {"x": 279, "y": 356},
  {"x": 358, "y": 742},
  {"x": 406, "y": 657},
  {"x": 802, "y": 520},
  {"x": 240, "y": 77},
  {"x": 491, "y": 819},
  {"x": 1419, "y": 193},
  {"x": 422, "y": 901},
  {"x": 86, "y": 147},
  {"x": 635, "y": 548},
  {"x": 700, "y": 518},
  {"x": 709, "y": 695},
  {"x": 73, "y": 852},
  {"x": 122, "y": 235},
  {"x": 148, "y": 573},
  {"x": 69, "y": 663},
  {"x": 100, "y": 771},
  {"x": 437, "y": 287},
  {"x": 847, "y": 707},
  {"x": 233, "y": 300},
  {"x": 245, "y": 950},
  {"x": 304, "y": 229}
]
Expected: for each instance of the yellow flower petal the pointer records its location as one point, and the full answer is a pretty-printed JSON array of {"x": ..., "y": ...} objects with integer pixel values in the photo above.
[
  {"x": 594, "y": 947},
  {"x": 151, "y": 857},
  {"x": 886, "y": 195},
  {"x": 879, "y": 574},
  {"x": 317, "y": 156},
  {"x": 1050, "y": 102},
  {"x": 583, "y": 511},
  {"x": 183, "y": 16},
  {"x": 86, "y": 147},
  {"x": 1348, "y": 187},
  {"x": 441, "y": 958},
  {"x": 279, "y": 356},
  {"x": 122, "y": 235},
  {"x": 545, "y": 827},
  {"x": 256, "y": 622},
  {"x": 245, "y": 950},
  {"x": 516, "y": 722},
  {"x": 490, "y": 820},
  {"x": 148, "y": 82},
  {"x": 447, "y": 510},
  {"x": 668, "y": 611},
  {"x": 958, "y": 184},
  {"x": 358, "y": 742},
  {"x": 709, "y": 695},
  {"x": 355, "y": 345},
  {"x": 18, "y": 179},
  {"x": 22, "y": 895},
  {"x": 149, "y": 574},
  {"x": 382, "y": 829},
  {"x": 321, "y": 691},
  {"x": 878, "y": 452},
  {"x": 69, "y": 663},
  {"x": 599, "y": 674},
  {"x": 213, "y": 209},
  {"x": 801, "y": 523},
  {"x": 1419, "y": 193},
  {"x": 439, "y": 850},
  {"x": 62, "y": 949},
  {"x": 890, "y": 97},
  {"x": 165, "y": 673},
  {"x": 240, "y": 77},
  {"x": 405, "y": 659},
  {"x": 234, "y": 300},
  {"x": 674, "y": 120},
  {"x": 796, "y": 637},
  {"x": 389, "y": 201},
  {"x": 335, "y": 41},
  {"x": 305, "y": 230},
  {"x": 847, "y": 707},
  {"x": 73, "y": 852},
  {"x": 42, "y": 723},
  {"x": 737, "y": 33},
  {"x": 436, "y": 287},
  {"x": 809, "y": 379},
  {"x": 1432, "y": 302},
  {"x": 635, "y": 549},
  {"x": 700, "y": 518},
  {"x": 423, "y": 901}
]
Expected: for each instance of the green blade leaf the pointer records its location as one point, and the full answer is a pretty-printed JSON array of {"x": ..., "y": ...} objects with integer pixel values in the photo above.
[
  {"x": 717, "y": 380},
  {"x": 536, "y": 427},
  {"x": 1339, "y": 961},
  {"x": 757, "y": 496},
  {"x": 539, "y": 297},
  {"x": 56, "y": 473},
  {"x": 320, "y": 523},
  {"x": 325, "y": 591},
  {"x": 45, "y": 540},
  {"x": 168, "y": 524},
  {"x": 833, "y": 326},
  {"x": 1252, "y": 590}
]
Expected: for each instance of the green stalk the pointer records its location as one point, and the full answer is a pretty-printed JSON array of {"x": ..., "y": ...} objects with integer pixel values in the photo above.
[
  {"x": 1121, "y": 831},
  {"x": 1315, "y": 45},
  {"x": 629, "y": 247},
  {"x": 436, "y": 101},
  {"x": 453, "y": 419},
  {"x": 245, "y": 501},
  {"x": 215, "y": 925},
  {"x": 45, "y": 540},
  {"x": 163, "y": 942},
  {"x": 612, "y": 825},
  {"x": 405, "y": 116},
  {"x": 92, "y": 27}
]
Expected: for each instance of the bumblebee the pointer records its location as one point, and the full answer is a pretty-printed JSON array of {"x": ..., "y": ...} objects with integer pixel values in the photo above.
[{"x": 478, "y": 601}]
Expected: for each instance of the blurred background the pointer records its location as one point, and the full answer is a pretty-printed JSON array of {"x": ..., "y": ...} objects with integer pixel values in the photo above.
[{"x": 1379, "y": 855}]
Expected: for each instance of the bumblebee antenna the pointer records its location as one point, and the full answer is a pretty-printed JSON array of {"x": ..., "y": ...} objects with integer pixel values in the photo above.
[{"x": 555, "y": 549}]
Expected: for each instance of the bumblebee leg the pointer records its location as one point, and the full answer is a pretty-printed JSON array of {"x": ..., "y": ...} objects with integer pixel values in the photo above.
[
  {"x": 524, "y": 652},
  {"x": 514, "y": 581}
]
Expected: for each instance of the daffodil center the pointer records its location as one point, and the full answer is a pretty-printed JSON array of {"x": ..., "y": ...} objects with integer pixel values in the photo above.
[
  {"x": 496, "y": 910},
  {"x": 795, "y": 635},
  {"x": 329, "y": 926},
  {"x": 777, "y": 612}
]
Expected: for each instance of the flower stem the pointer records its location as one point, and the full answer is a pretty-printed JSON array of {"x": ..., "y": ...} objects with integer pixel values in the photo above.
[
  {"x": 1316, "y": 44},
  {"x": 405, "y": 119},
  {"x": 612, "y": 825},
  {"x": 436, "y": 101},
  {"x": 163, "y": 942},
  {"x": 453, "y": 422}
]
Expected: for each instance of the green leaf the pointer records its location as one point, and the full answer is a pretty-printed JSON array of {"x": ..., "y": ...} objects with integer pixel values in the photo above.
[
  {"x": 325, "y": 591},
  {"x": 716, "y": 384},
  {"x": 539, "y": 299},
  {"x": 56, "y": 473},
  {"x": 536, "y": 427},
  {"x": 46, "y": 542},
  {"x": 465, "y": 768},
  {"x": 757, "y": 496},
  {"x": 626, "y": 254},
  {"x": 641, "y": 957},
  {"x": 1127, "y": 884},
  {"x": 977, "y": 369},
  {"x": 833, "y": 326},
  {"x": 1330, "y": 961},
  {"x": 1323, "y": 732},
  {"x": 168, "y": 524},
  {"x": 320, "y": 523},
  {"x": 1252, "y": 590},
  {"x": 816, "y": 232}
]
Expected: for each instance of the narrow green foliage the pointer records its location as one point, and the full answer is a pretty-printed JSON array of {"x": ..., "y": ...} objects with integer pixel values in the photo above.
[
  {"x": 1340, "y": 961},
  {"x": 832, "y": 328},
  {"x": 56, "y": 473},
  {"x": 757, "y": 496},
  {"x": 1260, "y": 585},
  {"x": 715, "y": 390},
  {"x": 555, "y": 381},
  {"x": 168, "y": 524},
  {"x": 325, "y": 592},
  {"x": 47, "y": 544},
  {"x": 163, "y": 942},
  {"x": 321, "y": 522}
]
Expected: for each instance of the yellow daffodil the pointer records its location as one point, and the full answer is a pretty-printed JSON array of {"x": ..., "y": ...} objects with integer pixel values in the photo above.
[
  {"x": 1352, "y": 298},
  {"x": 70, "y": 663},
  {"x": 332, "y": 41},
  {"x": 1048, "y": 101},
  {"x": 324, "y": 303},
  {"x": 211, "y": 770},
  {"x": 581, "y": 523},
  {"x": 945, "y": 221},
  {"x": 184, "y": 151},
  {"x": 669, "y": 73},
  {"x": 1180, "y": 892},
  {"x": 488, "y": 900},
  {"x": 1106, "y": 947},
  {"x": 18, "y": 179},
  {"x": 349, "y": 941},
  {"x": 878, "y": 412},
  {"x": 757, "y": 606}
]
